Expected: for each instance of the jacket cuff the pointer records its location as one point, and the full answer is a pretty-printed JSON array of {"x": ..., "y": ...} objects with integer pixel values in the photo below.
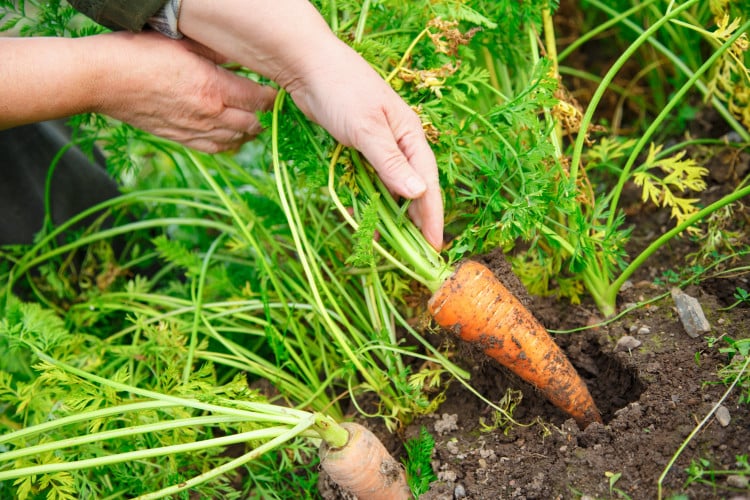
[
  {"x": 131, "y": 15},
  {"x": 165, "y": 19}
]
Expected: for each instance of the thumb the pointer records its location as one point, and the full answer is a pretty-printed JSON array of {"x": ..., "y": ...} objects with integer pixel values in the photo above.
[
  {"x": 203, "y": 51},
  {"x": 393, "y": 168},
  {"x": 243, "y": 93}
]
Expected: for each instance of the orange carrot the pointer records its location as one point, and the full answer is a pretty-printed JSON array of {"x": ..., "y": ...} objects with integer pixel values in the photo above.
[
  {"x": 364, "y": 467},
  {"x": 479, "y": 309}
]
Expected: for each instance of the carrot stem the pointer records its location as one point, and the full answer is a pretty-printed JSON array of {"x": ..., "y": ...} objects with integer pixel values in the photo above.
[{"x": 330, "y": 432}]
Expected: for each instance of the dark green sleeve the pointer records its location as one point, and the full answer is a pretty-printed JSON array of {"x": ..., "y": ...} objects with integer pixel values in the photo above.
[{"x": 130, "y": 15}]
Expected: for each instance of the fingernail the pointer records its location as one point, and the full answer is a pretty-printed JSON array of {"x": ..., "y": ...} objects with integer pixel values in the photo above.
[
  {"x": 414, "y": 187},
  {"x": 438, "y": 244}
]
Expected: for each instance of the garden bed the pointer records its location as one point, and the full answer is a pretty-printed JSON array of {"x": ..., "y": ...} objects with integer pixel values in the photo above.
[
  {"x": 651, "y": 397},
  {"x": 653, "y": 390}
]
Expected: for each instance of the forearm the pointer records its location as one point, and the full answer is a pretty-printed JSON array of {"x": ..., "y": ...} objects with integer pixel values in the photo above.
[
  {"x": 45, "y": 78},
  {"x": 272, "y": 37}
]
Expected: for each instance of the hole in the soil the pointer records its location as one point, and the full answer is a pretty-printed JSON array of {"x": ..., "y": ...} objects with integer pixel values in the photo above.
[{"x": 612, "y": 383}]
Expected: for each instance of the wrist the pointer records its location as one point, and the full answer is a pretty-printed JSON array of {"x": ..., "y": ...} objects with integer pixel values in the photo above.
[
  {"x": 100, "y": 68},
  {"x": 278, "y": 39},
  {"x": 112, "y": 71}
]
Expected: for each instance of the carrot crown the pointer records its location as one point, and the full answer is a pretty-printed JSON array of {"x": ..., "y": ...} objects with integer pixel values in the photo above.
[{"x": 382, "y": 219}]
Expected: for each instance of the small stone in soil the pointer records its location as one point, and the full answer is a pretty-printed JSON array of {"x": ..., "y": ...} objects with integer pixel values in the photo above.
[
  {"x": 737, "y": 481},
  {"x": 447, "y": 423},
  {"x": 627, "y": 343},
  {"x": 449, "y": 476},
  {"x": 722, "y": 416},
  {"x": 459, "y": 491},
  {"x": 631, "y": 412},
  {"x": 452, "y": 447},
  {"x": 691, "y": 313}
]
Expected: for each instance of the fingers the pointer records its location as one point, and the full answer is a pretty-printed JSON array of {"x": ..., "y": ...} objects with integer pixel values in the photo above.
[
  {"x": 400, "y": 154},
  {"x": 393, "y": 167},
  {"x": 427, "y": 214},
  {"x": 427, "y": 210},
  {"x": 242, "y": 93},
  {"x": 401, "y": 178},
  {"x": 237, "y": 122},
  {"x": 218, "y": 142},
  {"x": 242, "y": 98}
]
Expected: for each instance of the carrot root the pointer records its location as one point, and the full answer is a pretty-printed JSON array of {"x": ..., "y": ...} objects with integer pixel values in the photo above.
[
  {"x": 479, "y": 309},
  {"x": 364, "y": 467}
]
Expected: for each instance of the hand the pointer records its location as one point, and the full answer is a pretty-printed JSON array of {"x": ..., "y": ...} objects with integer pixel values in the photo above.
[
  {"x": 289, "y": 42},
  {"x": 350, "y": 100},
  {"x": 176, "y": 90}
]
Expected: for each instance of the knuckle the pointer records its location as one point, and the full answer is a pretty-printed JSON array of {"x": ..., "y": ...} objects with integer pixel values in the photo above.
[
  {"x": 210, "y": 101},
  {"x": 391, "y": 166},
  {"x": 365, "y": 124},
  {"x": 212, "y": 147}
]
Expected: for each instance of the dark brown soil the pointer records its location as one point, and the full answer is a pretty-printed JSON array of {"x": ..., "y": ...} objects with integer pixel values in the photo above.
[{"x": 651, "y": 397}]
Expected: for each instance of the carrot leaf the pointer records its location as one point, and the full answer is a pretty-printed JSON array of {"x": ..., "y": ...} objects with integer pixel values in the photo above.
[
  {"x": 419, "y": 473},
  {"x": 362, "y": 254}
]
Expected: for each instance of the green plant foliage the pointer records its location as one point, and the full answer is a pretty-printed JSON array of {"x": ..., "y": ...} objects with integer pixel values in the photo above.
[
  {"x": 48, "y": 392},
  {"x": 283, "y": 475},
  {"x": 738, "y": 352},
  {"x": 731, "y": 79},
  {"x": 502, "y": 418},
  {"x": 362, "y": 254},
  {"x": 678, "y": 176},
  {"x": 702, "y": 471},
  {"x": 418, "y": 463}
]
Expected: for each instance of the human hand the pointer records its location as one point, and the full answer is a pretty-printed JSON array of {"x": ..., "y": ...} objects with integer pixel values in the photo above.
[
  {"x": 177, "y": 90},
  {"x": 350, "y": 100},
  {"x": 174, "y": 89},
  {"x": 289, "y": 42}
]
